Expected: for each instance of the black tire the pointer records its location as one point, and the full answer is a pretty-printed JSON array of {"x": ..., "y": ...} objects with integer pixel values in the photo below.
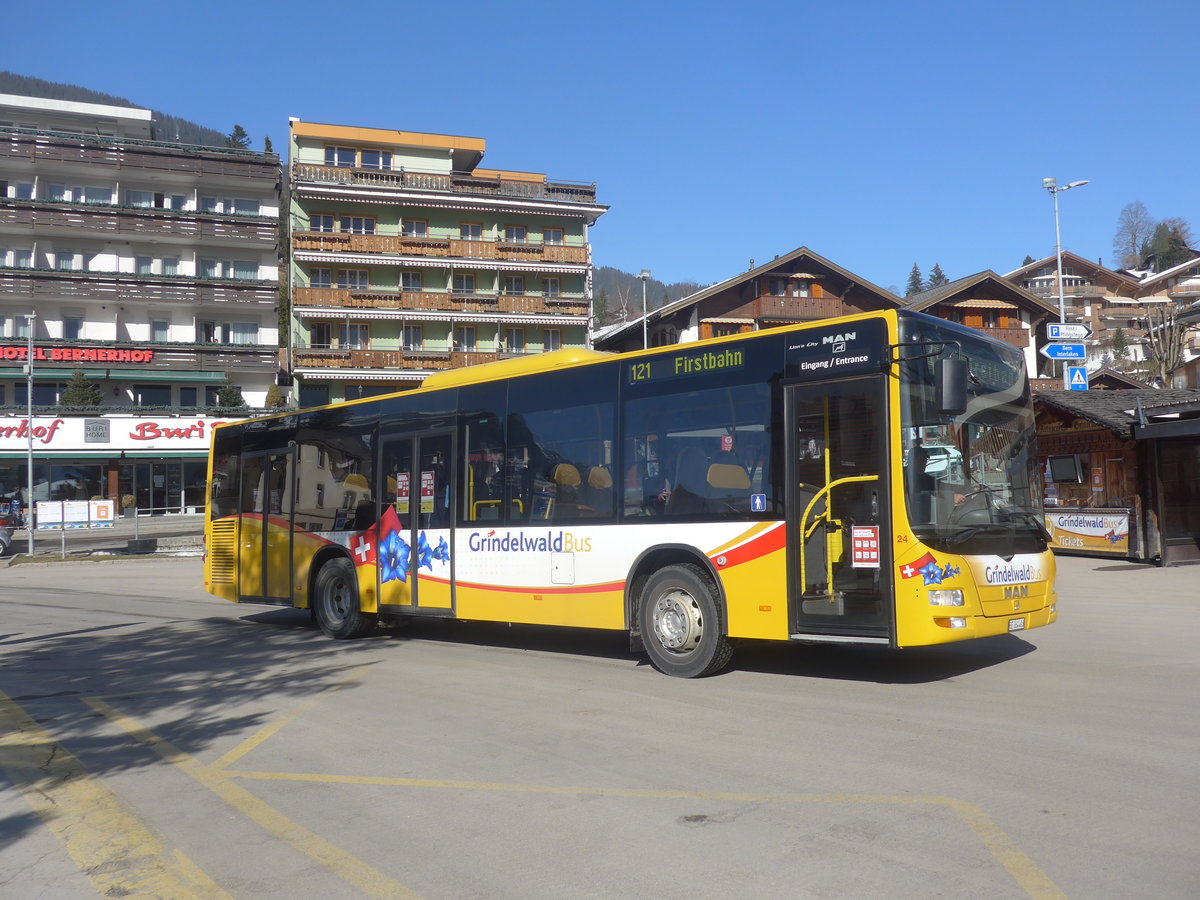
[
  {"x": 680, "y": 619},
  {"x": 336, "y": 602}
]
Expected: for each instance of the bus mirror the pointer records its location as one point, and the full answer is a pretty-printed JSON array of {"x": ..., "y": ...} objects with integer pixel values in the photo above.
[{"x": 951, "y": 386}]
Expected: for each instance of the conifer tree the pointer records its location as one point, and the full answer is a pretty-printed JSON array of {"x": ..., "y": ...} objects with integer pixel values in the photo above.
[
  {"x": 937, "y": 277},
  {"x": 237, "y": 139},
  {"x": 916, "y": 283},
  {"x": 80, "y": 392},
  {"x": 230, "y": 395}
]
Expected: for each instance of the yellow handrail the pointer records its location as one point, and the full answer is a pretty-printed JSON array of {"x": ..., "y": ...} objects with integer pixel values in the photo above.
[{"x": 806, "y": 532}]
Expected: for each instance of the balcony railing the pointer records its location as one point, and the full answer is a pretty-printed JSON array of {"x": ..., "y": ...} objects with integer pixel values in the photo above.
[
  {"x": 137, "y": 222},
  {"x": 82, "y": 284},
  {"x": 397, "y": 359},
  {"x": 1014, "y": 337},
  {"x": 342, "y": 242},
  {"x": 350, "y": 298},
  {"x": 132, "y": 154},
  {"x": 402, "y": 179},
  {"x": 798, "y": 308}
]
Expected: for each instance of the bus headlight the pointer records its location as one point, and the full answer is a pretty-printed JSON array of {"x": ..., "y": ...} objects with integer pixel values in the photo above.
[{"x": 946, "y": 598}]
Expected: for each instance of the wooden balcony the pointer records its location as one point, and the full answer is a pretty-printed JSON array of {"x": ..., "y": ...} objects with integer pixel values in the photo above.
[
  {"x": 349, "y": 298},
  {"x": 563, "y": 192},
  {"x": 341, "y": 242},
  {"x": 131, "y": 155},
  {"x": 799, "y": 309},
  {"x": 390, "y": 359},
  {"x": 123, "y": 286},
  {"x": 148, "y": 224},
  {"x": 1014, "y": 337}
]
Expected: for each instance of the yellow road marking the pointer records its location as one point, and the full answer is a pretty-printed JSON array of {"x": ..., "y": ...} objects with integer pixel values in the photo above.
[
  {"x": 353, "y": 870},
  {"x": 112, "y": 847},
  {"x": 1024, "y": 871},
  {"x": 279, "y": 724}
]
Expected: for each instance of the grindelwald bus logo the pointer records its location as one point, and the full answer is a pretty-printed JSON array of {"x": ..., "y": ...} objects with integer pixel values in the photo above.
[{"x": 520, "y": 542}]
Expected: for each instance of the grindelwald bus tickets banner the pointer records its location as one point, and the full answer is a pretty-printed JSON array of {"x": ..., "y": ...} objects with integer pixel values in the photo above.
[{"x": 1090, "y": 530}]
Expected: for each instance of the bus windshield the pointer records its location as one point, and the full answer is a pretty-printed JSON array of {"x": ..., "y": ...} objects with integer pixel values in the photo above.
[{"x": 970, "y": 479}]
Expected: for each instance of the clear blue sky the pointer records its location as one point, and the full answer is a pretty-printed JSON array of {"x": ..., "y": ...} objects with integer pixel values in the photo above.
[{"x": 877, "y": 133}]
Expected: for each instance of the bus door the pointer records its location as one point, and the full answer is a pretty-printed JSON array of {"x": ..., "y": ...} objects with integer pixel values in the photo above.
[
  {"x": 268, "y": 499},
  {"x": 414, "y": 547},
  {"x": 837, "y": 510}
]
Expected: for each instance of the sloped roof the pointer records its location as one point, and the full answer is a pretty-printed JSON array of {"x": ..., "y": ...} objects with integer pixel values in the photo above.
[
  {"x": 668, "y": 309},
  {"x": 1118, "y": 410},
  {"x": 1078, "y": 263},
  {"x": 925, "y": 299},
  {"x": 1193, "y": 263}
]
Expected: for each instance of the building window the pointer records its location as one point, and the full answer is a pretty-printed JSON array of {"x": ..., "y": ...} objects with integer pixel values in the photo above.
[
  {"x": 345, "y": 157},
  {"x": 514, "y": 285},
  {"x": 240, "y": 206},
  {"x": 470, "y": 231},
  {"x": 210, "y": 268},
  {"x": 415, "y": 228},
  {"x": 57, "y": 193},
  {"x": 321, "y": 336},
  {"x": 210, "y": 205},
  {"x": 464, "y": 282},
  {"x": 187, "y": 397},
  {"x": 170, "y": 266},
  {"x": 410, "y": 281},
  {"x": 376, "y": 159},
  {"x": 320, "y": 222},
  {"x": 97, "y": 196},
  {"x": 313, "y": 395},
  {"x": 140, "y": 199},
  {"x": 355, "y": 279},
  {"x": 320, "y": 277},
  {"x": 551, "y": 287},
  {"x": 777, "y": 287},
  {"x": 151, "y": 395},
  {"x": 464, "y": 338},
  {"x": 358, "y": 225},
  {"x": 514, "y": 340},
  {"x": 68, "y": 260},
  {"x": 144, "y": 265},
  {"x": 206, "y": 332},
  {"x": 243, "y": 333},
  {"x": 45, "y": 393},
  {"x": 553, "y": 236},
  {"x": 551, "y": 339},
  {"x": 159, "y": 330},
  {"x": 22, "y": 259},
  {"x": 72, "y": 328},
  {"x": 20, "y": 326},
  {"x": 356, "y": 335},
  {"x": 414, "y": 337},
  {"x": 515, "y": 234},
  {"x": 23, "y": 190}
]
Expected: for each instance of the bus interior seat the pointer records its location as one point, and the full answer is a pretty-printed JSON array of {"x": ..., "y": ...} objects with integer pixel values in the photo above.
[
  {"x": 567, "y": 482},
  {"x": 691, "y": 483},
  {"x": 600, "y": 490}
]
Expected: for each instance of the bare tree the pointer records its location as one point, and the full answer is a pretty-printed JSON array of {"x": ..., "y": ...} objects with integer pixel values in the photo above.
[
  {"x": 1166, "y": 337},
  {"x": 1134, "y": 227}
]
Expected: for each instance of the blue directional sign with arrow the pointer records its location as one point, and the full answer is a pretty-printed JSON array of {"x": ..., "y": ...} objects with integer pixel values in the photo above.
[{"x": 1064, "y": 351}]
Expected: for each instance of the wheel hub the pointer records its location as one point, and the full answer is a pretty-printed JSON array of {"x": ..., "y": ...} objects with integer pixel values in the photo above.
[{"x": 677, "y": 621}]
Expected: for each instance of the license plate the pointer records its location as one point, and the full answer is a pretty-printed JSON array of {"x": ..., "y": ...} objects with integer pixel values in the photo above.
[{"x": 1016, "y": 624}]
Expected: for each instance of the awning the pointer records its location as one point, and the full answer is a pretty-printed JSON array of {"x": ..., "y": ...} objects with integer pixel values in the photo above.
[
  {"x": 985, "y": 304},
  {"x": 356, "y": 313},
  {"x": 333, "y": 374},
  {"x": 119, "y": 374}
]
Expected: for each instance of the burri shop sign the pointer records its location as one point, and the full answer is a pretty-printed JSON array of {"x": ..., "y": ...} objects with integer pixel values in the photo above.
[{"x": 115, "y": 432}]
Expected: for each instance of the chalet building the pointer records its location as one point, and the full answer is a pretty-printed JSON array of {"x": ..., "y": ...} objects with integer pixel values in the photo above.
[
  {"x": 800, "y": 286},
  {"x": 1122, "y": 472},
  {"x": 408, "y": 258},
  {"x": 150, "y": 266},
  {"x": 991, "y": 304}
]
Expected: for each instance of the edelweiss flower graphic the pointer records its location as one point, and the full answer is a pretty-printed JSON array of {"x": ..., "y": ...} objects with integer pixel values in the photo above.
[
  {"x": 424, "y": 552},
  {"x": 393, "y": 558},
  {"x": 443, "y": 550}
]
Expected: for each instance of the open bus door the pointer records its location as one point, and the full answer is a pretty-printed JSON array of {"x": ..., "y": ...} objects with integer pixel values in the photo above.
[
  {"x": 416, "y": 537},
  {"x": 837, "y": 512},
  {"x": 268, "y": 499}
]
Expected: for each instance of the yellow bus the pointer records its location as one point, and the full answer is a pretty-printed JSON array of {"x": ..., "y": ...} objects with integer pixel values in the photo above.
[{"x": 871, "y": 479}]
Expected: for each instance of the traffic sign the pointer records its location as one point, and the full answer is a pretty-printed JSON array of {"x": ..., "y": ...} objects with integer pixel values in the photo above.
[
  {"x": 1064, "y": 351},
  {"x": 1076, "y": 378},
  {"x": 1064, "y": 331}
]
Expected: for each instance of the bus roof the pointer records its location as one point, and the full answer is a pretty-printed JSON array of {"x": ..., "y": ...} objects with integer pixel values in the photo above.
[{"x": 508, "y": 368}]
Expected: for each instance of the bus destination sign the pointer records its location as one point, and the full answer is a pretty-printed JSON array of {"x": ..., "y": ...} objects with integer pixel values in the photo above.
[
  {"x": 681, "y": 365},
  {"x": 853, "y": 348}
]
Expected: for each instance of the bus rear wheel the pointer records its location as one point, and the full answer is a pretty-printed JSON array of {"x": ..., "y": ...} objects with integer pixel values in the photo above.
[
  {"x": 679, "y": 617},
  {"x": 337, "y": 609}
]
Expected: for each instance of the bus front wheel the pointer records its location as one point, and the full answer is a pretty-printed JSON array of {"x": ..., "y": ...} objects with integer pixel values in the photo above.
[
  {"x": 337, "y": 609},
  {"x": 680, "y": 623}
]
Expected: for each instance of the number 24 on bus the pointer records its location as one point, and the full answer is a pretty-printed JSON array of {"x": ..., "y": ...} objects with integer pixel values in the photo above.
[{"x": 865, "y": 480}]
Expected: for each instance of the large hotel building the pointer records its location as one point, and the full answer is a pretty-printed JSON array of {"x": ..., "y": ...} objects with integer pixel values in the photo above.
[{"x": 150, "y": 266}]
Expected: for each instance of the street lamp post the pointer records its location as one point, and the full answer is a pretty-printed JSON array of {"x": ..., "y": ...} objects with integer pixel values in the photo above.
[
  {"x": 30, "y": 318},
  {"x": 644, "y": 275},
  {"x": 1051, "y": 184}
]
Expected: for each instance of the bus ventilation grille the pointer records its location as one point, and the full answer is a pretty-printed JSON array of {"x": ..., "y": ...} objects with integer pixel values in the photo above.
[{"x": 222, "y": 552}]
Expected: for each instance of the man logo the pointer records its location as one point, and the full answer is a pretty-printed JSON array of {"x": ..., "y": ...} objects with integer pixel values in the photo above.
[{"x": 839, "y": 338}]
